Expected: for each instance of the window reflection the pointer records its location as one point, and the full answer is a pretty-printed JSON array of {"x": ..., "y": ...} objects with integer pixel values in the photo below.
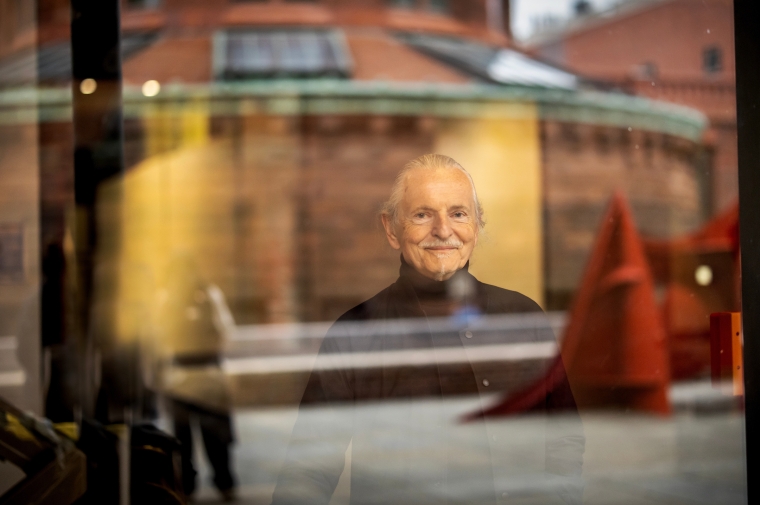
[
  {"x": 232, "y": 284},
  {"x": 457, "y": 335},
  {"x": 712, "y": 60}
]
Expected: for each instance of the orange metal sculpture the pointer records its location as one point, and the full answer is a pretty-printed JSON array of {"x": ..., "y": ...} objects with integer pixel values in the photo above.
[
  {"x": 688, "y": 299},
  {"x": 614, "y": 349},
  {"x": 620, "y": 349},
  {"x": 615, "y": 343}
]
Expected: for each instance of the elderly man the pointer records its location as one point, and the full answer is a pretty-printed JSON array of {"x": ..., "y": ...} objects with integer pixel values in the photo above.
[{"x": 419, "y": 346}]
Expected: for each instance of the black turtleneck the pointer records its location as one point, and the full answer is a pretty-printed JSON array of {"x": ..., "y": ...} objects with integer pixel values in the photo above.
[{"x": 435, "y": 297}]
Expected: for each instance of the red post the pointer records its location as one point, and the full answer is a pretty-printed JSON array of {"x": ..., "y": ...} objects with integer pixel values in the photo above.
[{"x": 726, "y": 362}]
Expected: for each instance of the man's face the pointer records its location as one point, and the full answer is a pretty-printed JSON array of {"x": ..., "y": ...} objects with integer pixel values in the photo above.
[{"x": 437, "y": 225}]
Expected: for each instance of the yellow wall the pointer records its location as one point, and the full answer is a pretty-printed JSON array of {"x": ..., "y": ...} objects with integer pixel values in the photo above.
[
  {"x": 183, "y": 198},
  {"x": 504, "y": 158},
  {"x": 223, "y": 203},
  {"x": 159, "y": 209}
]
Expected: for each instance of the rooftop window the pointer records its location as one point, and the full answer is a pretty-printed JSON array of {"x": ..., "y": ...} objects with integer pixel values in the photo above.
[{"x": 290, "y": 53}]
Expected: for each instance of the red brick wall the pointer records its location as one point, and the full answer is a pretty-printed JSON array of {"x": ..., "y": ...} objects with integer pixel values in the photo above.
[
  {"x": 672, "y": 35},
  {"x": 583, "y": 165}
]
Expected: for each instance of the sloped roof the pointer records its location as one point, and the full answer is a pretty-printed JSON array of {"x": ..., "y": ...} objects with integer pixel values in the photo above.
[
  {"x": 378, "y": 56},
  {"x": 491, "y": 64}
]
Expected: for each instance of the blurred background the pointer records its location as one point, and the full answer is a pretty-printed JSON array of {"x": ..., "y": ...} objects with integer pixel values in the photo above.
[{"x": 170, "y": 164}]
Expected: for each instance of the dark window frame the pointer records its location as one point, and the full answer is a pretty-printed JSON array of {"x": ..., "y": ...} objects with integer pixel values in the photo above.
[
  {"x": 747, "y": 43},
  {"x": 712, "y": 59}
]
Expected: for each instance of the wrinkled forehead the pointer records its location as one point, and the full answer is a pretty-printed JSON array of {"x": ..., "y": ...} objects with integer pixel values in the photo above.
[{"x": 438, "y": 185}]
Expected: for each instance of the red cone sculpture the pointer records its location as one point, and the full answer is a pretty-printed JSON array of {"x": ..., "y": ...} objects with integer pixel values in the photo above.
[{"x": 614, "y": 346}]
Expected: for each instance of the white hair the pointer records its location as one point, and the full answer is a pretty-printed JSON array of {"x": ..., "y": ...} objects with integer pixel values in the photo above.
[{"x": 427, "y": 162}]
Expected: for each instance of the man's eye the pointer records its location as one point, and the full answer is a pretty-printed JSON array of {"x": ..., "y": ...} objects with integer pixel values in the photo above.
[
  {"x": 420, "y": 215},
  {"x": 460, "y": 214}
]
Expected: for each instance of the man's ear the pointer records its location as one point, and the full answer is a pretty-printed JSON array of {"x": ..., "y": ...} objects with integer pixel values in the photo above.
[{"x": 390, "y": 232}]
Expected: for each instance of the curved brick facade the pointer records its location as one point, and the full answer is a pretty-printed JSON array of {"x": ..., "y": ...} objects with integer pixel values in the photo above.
[
  {"x": 664, "y": 178},
  {"x": 278, "y": 182}
]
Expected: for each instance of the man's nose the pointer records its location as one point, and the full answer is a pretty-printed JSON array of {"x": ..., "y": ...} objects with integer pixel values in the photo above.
[{"x": 442, "y": 228}]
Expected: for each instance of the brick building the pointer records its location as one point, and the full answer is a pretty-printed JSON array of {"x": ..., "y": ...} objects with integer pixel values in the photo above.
[
  {"x": 277, "y": 128},
  {"x": 679, "y": 51}
]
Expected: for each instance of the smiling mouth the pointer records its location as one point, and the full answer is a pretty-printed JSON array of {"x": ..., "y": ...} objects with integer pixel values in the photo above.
[
  {"x": 441, "y": 252},
  {"x": 441, "y": 249}
]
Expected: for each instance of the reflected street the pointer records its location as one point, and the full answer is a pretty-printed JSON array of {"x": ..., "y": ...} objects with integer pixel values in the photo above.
[{"x": 693, "y": 457}]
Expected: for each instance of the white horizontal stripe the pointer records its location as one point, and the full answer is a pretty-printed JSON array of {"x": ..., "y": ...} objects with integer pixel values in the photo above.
[
  {"x": 299, "y": 331},
  {"x": 389, "y": 359}
]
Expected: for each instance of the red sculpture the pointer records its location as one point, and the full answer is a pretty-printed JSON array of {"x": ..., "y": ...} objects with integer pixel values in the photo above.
[
  {"x": 615, "y": 343},
  {"x": 614, "y": 349},
  {"x": 690, "y": 298},
  {"x": 620, "y": 349}
]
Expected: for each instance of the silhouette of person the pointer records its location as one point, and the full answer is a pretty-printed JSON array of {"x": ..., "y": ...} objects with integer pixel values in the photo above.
[{"x": 194, "y": 321}]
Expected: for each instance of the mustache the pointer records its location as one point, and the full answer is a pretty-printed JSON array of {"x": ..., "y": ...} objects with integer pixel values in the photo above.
[{"x": 442, "y": 243}]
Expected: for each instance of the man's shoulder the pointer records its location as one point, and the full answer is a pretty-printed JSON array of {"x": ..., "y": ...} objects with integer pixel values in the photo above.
[
  {"x": 506, "y": 301},
  {"x": 369, "y": 308}
]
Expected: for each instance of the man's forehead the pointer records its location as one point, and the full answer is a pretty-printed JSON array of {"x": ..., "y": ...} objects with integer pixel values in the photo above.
[{"x": 445, "y": 180}]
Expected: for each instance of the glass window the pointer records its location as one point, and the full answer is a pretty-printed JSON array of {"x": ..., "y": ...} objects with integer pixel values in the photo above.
[
  {"x": 362, "y": 254},
  {"x": 712, "y": 60},
  {"x": 295, "y": 53}
]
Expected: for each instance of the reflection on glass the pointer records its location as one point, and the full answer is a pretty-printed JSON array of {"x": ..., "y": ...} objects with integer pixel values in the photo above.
[
  {"x": 194, "y": 323},
  {"x": 151, "y": 88},
  {"x": 712, "y": 60},
  {"x": 88, "y": 86},
  {"x": 198, "y": 288},
  {"x": 435, "y": 333}
]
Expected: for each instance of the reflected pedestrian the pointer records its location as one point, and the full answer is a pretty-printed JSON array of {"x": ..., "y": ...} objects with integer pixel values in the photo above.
[{"x": 195, "y": 320}]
